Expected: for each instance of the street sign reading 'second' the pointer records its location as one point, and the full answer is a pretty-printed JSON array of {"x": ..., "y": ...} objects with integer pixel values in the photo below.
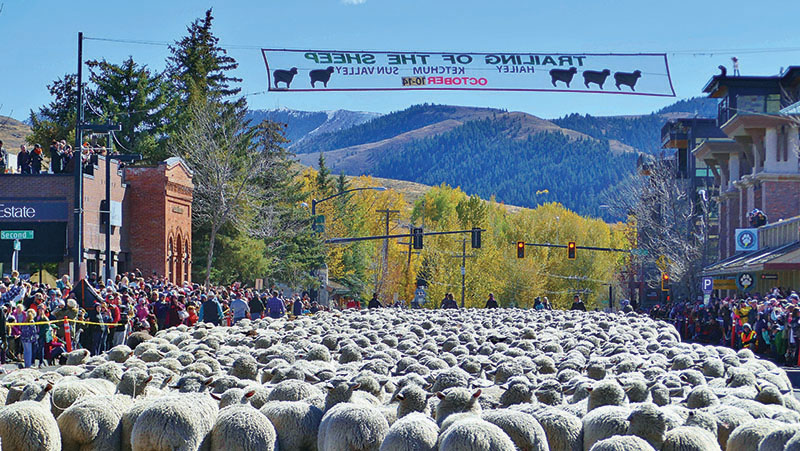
[{"x": 16, "y": 235}]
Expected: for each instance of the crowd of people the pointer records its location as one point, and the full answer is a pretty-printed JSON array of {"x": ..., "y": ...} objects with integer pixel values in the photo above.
[
  {"x": 32, "y": 321},
  {"x": 59, "y": 159},
  {"x": 127, "y": 304},
  {"x": 767, "y": 324}
]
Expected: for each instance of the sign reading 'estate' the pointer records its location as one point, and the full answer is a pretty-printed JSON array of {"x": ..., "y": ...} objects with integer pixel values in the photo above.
[
  {"x": 330, "y": 70},
  {"x": 32, "y": 210}
]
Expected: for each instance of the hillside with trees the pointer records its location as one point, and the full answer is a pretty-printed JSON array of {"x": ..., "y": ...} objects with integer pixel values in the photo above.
[{"x": 480, "y": 158}]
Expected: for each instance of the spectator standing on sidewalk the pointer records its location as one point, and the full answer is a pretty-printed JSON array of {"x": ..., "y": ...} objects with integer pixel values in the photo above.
[
  {"x": 24, "y": 160},
  {"x": 239, "y": 308},
  {"x": 256, "y": 306},
  {"x": 275, "y": 307},
  {"x": 210, "y": 310},
  {"x": 3, "y": 159}
]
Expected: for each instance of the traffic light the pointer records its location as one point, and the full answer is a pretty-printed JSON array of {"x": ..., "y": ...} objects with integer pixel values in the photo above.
[
  {"x": 664, "y": 282},
  {"x": 416, "y": 237},
  {"x": 571, "y": 249},
  {"x": 476, "y": 238},
  {"x": 520, "y": 249}
]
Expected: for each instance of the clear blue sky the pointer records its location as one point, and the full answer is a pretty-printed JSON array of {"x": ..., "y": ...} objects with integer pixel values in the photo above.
[{"x": 38, "y": 42}]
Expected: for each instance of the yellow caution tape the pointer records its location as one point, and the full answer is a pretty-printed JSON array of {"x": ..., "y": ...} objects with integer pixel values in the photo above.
[
  {"x": 94, "y": 324},
  {"x": 37, "y": 323}
]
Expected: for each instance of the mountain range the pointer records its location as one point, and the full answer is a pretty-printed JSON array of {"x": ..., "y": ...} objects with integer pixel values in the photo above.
[{"x": 516, "y": 157}]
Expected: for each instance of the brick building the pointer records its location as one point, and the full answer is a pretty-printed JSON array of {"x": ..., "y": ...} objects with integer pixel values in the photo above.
[
  {"x": 150, "y": 217},
  {"x": 756, "y": 166}
]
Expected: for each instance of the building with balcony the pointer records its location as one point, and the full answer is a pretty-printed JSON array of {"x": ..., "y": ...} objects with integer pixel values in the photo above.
[
  {"x": 757, "y": 163},
  {"x": 150, "y": 219},
  {"x": 682, "y": 135}
]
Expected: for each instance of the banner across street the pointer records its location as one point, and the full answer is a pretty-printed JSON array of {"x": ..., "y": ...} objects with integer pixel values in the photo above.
[{"x": 334, "y": 70}]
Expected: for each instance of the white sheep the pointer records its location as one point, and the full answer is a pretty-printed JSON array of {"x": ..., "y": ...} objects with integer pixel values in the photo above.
[
  {"x": 296, "y": 423},
  {"x": 174, "y": 423},
  {"x": 526, "y": 433},
  {"x": 456, "y": 400},
  {"x": 28, "y": 425},
  {"x": 242, "y": 428},
  {"x": 354, "y": 427},
  {"x": 622, "y": 443},
  {"x": 474, "y": 434},
  {"x": 602, "y": 423},
  {"x": 689, "y": 438},
  {"x": 93, "y": 423},
  {"x": 747, "y": 436},
  {"x": 564, "y": 430},
  {"x": 413, "y": 432}
]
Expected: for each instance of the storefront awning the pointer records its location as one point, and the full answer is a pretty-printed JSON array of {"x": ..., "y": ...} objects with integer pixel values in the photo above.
[{"x": 778, "y": 258}]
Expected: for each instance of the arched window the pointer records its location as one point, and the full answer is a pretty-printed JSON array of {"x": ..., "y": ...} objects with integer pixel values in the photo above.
[
  {"x": 179, "y": 262},
  {"x": 170, "y": 260}
]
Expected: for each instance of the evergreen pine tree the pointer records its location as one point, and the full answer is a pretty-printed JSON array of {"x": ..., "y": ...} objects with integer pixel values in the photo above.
[
  {"x": 139, "y": 100},
  {"x": 323, "y": 182},
  {"x": 57, "y": 119},
  {"x": 199, "y": 67}
]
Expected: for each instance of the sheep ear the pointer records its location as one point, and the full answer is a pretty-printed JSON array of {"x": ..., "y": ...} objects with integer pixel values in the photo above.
[
  {"x": 250, "y": 394},
  {"x": 209, "y": 381},
  {"x": 428, "y": 387},
  {"x": 167, "y": 380},
  {"x": 48, "y": 387},
  {"x": 589, "y": 389},
  {"x": 477, "y": 393},
  {"x": 440, "y": 395},
  {"x": 355, "y": 386},
  {"x": 215, "y": 396},
  {"x": 149, "y": 378},
  {"x": 329, "y": 387},
  {"x": 399, "y": 397}
]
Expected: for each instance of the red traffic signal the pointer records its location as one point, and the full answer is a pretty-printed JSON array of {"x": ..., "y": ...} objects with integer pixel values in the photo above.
[
  {"x": 571, "y": 250},
  {"x": 520, "y": 249},
  {"x": 664, "y": 282}
]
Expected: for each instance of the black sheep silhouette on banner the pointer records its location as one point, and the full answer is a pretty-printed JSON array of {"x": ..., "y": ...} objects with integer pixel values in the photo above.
[
  {"x": 564, "y": 75},
  {"x": 596, "y": 77},
  {"x": 627, "y": 78},
  {"x": 285, "y": 76},
  {"x": 323, "y": 75}
]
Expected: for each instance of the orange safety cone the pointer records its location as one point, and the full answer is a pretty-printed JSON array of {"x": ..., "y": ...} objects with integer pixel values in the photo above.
[{"x": 67, "y": 335}]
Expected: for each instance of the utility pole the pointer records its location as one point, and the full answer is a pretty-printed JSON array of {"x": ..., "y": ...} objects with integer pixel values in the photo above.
[
  {"x": 385, "y": 247},
  {"x": 463, "y": 257},
  {"x": 77, "y": 225}
]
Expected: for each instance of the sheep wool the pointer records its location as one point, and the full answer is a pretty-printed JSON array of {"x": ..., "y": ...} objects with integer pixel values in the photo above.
[
  {"x": 27, "y": 425},
  {"x": 174, "y": 423},
  {"x": 747, "y": 436},
  {"x": 689, "y": 438},
  {"x": 604, "y": 422},
  {"x": 413, "y": 432},
  {"x": 474, "y": 434},
  {"x": 352, "y": 427},
  {"x": 456, "y": 400},
  {"x": 526, "y": 433},
  {"x": 649, "y": 423},
  {"x": 778, "y": 438},
  {"x": 622, "y": 443},
  {"x": 296, "y": 423},
  {"x": 564, "y": 431},
  {"x": 93, "y": 423},
  {"x": 242, "y": 428}
]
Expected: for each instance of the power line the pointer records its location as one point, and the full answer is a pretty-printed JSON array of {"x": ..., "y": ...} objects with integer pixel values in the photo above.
[{"x": 696, "y": 52}]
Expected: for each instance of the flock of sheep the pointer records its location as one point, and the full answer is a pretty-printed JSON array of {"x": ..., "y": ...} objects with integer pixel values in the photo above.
[{"x": 387, "y": 379}]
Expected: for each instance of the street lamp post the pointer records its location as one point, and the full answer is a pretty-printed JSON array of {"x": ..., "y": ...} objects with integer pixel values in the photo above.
[{"x": 314, "y": 202}]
